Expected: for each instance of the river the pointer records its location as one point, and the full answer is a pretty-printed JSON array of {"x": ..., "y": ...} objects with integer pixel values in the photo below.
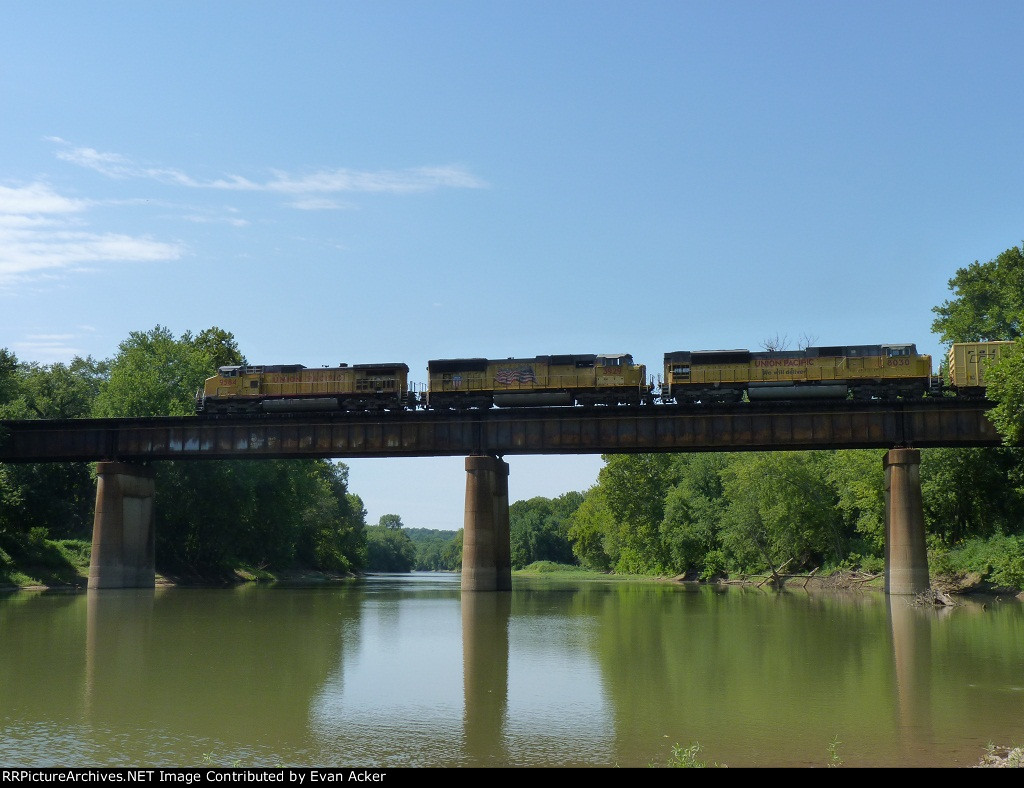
[{"x": 405, "y": 671}]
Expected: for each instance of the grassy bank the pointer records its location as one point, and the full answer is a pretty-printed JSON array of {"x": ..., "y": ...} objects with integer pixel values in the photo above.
[
  {"x": 555, "y": 571},
  {"x": 31, "y": 561}
]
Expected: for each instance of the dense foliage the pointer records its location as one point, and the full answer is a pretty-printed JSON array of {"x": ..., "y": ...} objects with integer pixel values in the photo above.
[
  {"x": 388, "y": 546},
  {"x": 539, "y": 529},
  {"x": 436, "y": 550},
  {"x": 988, "y": 304},
  {"x": 703, "y": 515},
  {"x": 210, "y": 515}
]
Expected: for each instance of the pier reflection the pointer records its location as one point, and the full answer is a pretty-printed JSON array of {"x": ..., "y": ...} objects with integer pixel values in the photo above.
[
  {"x": 485, "y": 644},
  {"x": 910, "y": 626}
]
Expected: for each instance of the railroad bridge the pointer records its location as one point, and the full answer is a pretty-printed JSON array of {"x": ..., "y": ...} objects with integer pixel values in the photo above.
[{"x": 123, "y": 530}]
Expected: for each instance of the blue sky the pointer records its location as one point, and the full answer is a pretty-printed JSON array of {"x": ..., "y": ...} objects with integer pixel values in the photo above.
[{"x": 378, "y": 181}]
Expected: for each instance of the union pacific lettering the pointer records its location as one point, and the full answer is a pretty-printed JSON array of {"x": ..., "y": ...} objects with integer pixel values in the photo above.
[{"x": 781, "y": 362}]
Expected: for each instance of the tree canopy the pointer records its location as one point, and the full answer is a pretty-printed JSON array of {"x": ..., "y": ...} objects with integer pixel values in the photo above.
[
  {"x": 987, "y": 303},
  {"x": 210, "y": 515}
]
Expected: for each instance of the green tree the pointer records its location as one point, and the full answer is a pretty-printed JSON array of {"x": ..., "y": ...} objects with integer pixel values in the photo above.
[
  {"x": 436, "y": 551},
  {"x": 987, "y": 303},
  {"x": 60, "y": 391},
  {"x": 1005, "y": 381},
  {"x": 335, "y": 523},
  {"x": 393, "y": 521},
  {"x": 693, "y": 513},
  {"x": 218, "y": 344},
  {"x": 635, "y": 486},
  {"x": 781, "y": 510},
  {"x": 858, "y": 478},
  {"x": 10, "y": 384},
  {"x": 539, "y": 529},
  {"x": 971, "y": 492},
  {"x": 55, "y": 499},
  {"x": 978, "y": 491},
  {"x": 153, "y": 374},
  {"x": 388, "y": 547},
  {"x": 451, "y": 555},
  {"x": 589, "y": 529}
]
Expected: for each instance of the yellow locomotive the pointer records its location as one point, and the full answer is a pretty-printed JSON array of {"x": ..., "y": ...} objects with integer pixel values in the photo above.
[
  {"x": 293, "y": 387},
  {"x": 865, "y": 371},
  {"x": 585, "y": 379}
]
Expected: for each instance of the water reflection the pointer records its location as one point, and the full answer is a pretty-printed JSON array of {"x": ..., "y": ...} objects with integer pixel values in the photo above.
[
  {"x": 408, "y": 671},
  {"x": 910, "y": 625},
  {"x": 118, "y": 625},
  {"x": 397, "y": 699},
  {"x": 166, "y": 677},
  {"x": 485, "y": 642}
]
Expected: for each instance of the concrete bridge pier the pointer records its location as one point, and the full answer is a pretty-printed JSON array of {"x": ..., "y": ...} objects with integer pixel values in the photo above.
[
  {"x": 123, "y": 537},
  {"x": 906, "y": 557},
  {"x": 486, "y": 550}
]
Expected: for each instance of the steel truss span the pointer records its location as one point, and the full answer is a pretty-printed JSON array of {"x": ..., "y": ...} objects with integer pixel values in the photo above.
[{"x": 784, "y": 426}]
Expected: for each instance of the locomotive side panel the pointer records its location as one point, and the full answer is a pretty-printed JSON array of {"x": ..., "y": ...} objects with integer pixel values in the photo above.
[
  {"x": 867, "y": 371},
  {"x": 541, "y": 380},
  {"x": 292, "y": 387}
]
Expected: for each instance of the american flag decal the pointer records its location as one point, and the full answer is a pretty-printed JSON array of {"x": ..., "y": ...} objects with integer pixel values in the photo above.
[{"x": 506, "y": 377}]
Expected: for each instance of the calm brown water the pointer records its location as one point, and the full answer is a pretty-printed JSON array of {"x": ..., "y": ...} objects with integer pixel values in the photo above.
[{"x": 406, "y": 671}]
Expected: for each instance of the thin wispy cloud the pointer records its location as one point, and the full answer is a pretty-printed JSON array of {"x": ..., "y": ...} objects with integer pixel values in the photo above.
[
  {"x": 229, "y": 220},
  {"x": 36, "y": 198},
  {"x": 320, "y": 204},
  {"x": 42, "y": 232},
  {"x": 47, "y": 348},
  {"x": 328, "y": 181}
]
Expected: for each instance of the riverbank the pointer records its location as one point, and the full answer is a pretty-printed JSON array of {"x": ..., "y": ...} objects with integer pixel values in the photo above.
[
  {"x": 73, "y": 575},
  {"x": 76, "y": 578},
  {"x": 942, "y": 584},
  {"x": 1002, "y": 758}
]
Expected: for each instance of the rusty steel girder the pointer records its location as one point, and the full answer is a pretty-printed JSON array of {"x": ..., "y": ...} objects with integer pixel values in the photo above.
[{"x": 559, "y": 430}]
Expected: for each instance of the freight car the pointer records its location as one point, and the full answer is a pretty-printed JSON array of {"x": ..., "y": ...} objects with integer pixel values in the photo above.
[
  {"x": 966, "y": 363},
  {"x": 585, "y": 379},
  {"x": 293, "y": 387},
  {"x": 863, "y": 371}
]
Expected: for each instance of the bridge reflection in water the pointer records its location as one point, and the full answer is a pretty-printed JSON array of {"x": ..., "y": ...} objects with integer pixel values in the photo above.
[{"x": 408, "y": 671}]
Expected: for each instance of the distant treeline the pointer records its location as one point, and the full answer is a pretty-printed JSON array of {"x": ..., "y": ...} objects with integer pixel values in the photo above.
[{"x": 394, "y": 548}]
